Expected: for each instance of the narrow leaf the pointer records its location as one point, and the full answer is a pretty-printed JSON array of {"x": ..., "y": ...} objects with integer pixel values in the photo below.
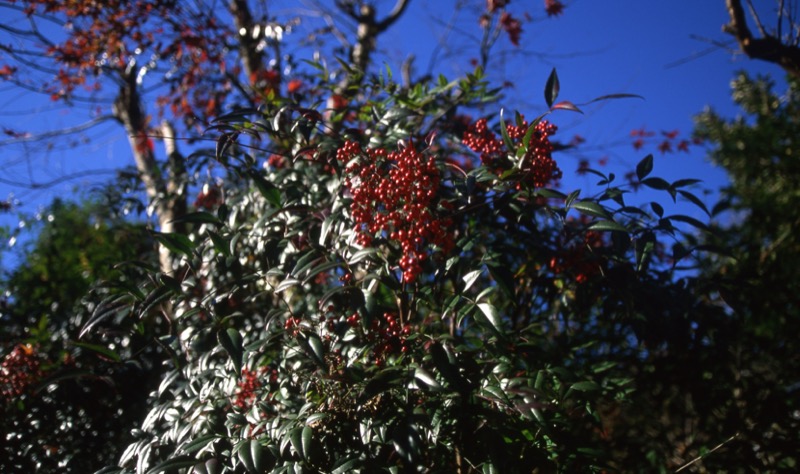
[
  {"x": 504, "y": 131},
  {"x": 174, "y": 463},
  {"x": 610, "y": 226},
  {"x": 231, "y": 341},
  {"x": 695, "y": 200},
  {"x": 551, "y": 88},
  {"x": 644, "y": 167},
  {"x": 591, "y": 208},
  {"x": 656, "y": 183},
  {"x": 566, "y": 105}
]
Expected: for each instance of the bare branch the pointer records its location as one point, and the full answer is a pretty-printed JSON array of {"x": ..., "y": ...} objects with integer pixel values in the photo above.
[
  {"x": 59, "y": 180},
  {"x": 396, "y": 13},
  {"x": 58, "y": 133},
  {"x": 767, "y": 48}
]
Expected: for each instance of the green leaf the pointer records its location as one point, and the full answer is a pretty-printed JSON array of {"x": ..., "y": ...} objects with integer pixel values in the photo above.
[
  {"x": 492, "y": 315},
  {"x": 307, "y": 437},
  {"x": 296, "y": 438},
  {"x": 246, "y": 456},
  {"x": 689, "y": 220},
  {"x": 220, "y": 244},
  {"x": 591, "y": 208},
  {"x": 105, "y": 351},
  {"x": 504, "y": 132},
  {"x": 361, "y": 255},
  {"x": 614, "y": 96},
  {"x": 199, "y": 443},
  {"x": 656, "y": 183},
  {"x": 681, "y": 183},
  {"x": 286, "y": 284},
  {"x": 270, "y": 192},
  {"x": 176, "y": 243},
  {"x": 656, "y": 207},
  {"x": 610, "y": 226},
  {"x": 231, "y": 341},
  {"x": 644, "y": 167},
  {"x": 470, "y": 278},
  {"x": 695, "y": 200},
  {"x": 314, "y": 348},
  {"x": 199, "y": 218},
  {"x": 347, "y": 466},
  {"x": 586, "y": 386},
  {"x": 551, "y": 88},
  {"x": 174, "y": 463},
  {"x": 425, "y": 377}
]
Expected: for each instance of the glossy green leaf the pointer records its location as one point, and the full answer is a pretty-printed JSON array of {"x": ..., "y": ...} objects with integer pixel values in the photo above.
[
  {"x": 102, "y": 350},
  {"x": 586, "y": 386},
  {"x": 591, "y": 208},
  {"x": 492, "y": 316},
  {"x": 231, "y": 340},
  {"x": 172, "y": 464},
  {"x": 270, "y": 192},
  {"x": 610, "y": 226}
]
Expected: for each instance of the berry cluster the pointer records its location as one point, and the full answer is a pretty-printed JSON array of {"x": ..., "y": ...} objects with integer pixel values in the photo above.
[
  {"x": 577, "y": 258},
  {"x": 395, "y": 196},
  {"x": 537, "y": 167},
  {"x": 20, "y": 369},
  {"x": 389, "y": 337},
  {"x": 251, "y": 382}
]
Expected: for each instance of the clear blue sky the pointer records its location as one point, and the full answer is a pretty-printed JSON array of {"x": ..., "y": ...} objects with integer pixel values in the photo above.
[{"x": 598, "y": 47}]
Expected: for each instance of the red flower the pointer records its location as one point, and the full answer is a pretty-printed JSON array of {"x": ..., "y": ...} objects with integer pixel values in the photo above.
[
  {"x": 512, "y": 26},
  {"x": 553, "y": 7}
]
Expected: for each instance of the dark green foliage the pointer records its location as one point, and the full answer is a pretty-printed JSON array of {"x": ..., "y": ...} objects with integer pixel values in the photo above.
[{"x": 71, "y": 415}]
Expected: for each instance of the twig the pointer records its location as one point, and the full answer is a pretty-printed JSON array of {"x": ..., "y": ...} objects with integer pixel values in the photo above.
[{"x": 698, "y": 458}]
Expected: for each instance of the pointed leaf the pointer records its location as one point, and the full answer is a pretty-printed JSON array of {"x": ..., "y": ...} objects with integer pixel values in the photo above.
[
  {"x": 644, "y": 167},
  {"x": 102, "y": 350},
  {"x": 566, "y": 105},
  {"x": 656, "y": 183},
  {"x": 231, "y": 341},
  {"x": 492, "y": 315},
  {"x": 614, "y": 96},
  {"x": 173, "y": 464},
  {"x": 551, "y": 88},
  {"x": 591, "y": 208},
  {"x": 504, "y": 131},
  {"x": 270, "y": 192},
  {"x": 610, "y": 226},
  {"x": 695, "y": 200}
]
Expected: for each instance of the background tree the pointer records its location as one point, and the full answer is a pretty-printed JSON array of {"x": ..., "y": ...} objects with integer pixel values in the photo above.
[{"x": 72, "y": 425}]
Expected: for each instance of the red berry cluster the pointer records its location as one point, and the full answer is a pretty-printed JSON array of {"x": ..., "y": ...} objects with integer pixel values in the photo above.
[
  {"x": 577, "y": 258},
  {"x": 20, "y": 369},
  {"x": 538, "y": 167},
  {"x": 389, "y": 337},
  {"x": 292, "y": 325},
  {"x": 210, "y": 197},
  {"x": 395, "y": 196},
  {"x": 251, "y": 382}
]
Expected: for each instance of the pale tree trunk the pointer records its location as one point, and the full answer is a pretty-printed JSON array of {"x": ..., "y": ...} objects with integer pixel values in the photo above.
[{"x": 165, "y": 189}]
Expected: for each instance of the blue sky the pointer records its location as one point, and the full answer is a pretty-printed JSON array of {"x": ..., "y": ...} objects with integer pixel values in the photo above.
[{"x": 598, "y": 47}]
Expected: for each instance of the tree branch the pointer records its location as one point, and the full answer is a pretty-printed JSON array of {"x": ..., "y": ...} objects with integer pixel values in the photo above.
[{"x": 767, "y": 48}]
